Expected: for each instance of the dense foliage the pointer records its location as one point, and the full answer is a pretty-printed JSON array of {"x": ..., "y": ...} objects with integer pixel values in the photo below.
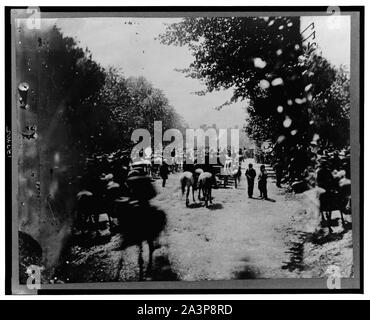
[
  {"x": 293, "y": 94},
  {"x": 78, "y": 112},
  {"x": 134, "y": 103}
]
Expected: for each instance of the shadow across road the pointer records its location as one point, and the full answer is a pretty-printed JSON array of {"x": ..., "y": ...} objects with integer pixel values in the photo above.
[{"x": 215, "y": 206}]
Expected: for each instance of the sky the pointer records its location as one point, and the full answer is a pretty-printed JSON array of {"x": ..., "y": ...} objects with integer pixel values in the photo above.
[{"x": 135, "y": 50}]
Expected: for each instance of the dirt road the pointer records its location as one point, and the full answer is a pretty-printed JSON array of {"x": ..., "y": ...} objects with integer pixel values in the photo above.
[{"x": 235, "y": 238}]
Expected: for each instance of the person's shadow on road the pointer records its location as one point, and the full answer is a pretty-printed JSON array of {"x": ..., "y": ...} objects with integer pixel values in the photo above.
[
  {"x": 195, "y": 205},
  {"x": 259, "y": 198},
  {"x": 215, "y": 206}
]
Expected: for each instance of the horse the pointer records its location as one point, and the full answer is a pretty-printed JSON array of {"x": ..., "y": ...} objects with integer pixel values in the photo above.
[
  {"x": 187, "y": 180},
  {"x": 345, "y": 197},
  {"x": 110, "y": 190},
  {"x": 205, "y": 182},
  {"x": 325, "y": 202},
  {"x": 236, "y": 174},
  {"x": 138, "y": 221},
  {"x": 339, "y": 199},
  {"x": 232, "y": 169},
  {"x": 344, "y": 193},
  {"x": 95, "y": 209}
]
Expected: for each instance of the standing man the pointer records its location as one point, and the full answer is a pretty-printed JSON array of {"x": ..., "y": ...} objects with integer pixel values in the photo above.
[
  {"x": 250, "y": 174},
  {"x": 163, "y": 172},
  {"x": 262, "y": 182}
]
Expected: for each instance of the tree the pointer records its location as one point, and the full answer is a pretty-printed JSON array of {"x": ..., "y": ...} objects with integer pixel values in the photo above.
[
  {"x": 134, "y": 103},
  {"x": 64, "y": 83},
  {"x": 330, "y": 105},
  {"x": 77, "y": 110},
  {"x": 257, "y": 57},
  {"x": 292, "y": 93}
]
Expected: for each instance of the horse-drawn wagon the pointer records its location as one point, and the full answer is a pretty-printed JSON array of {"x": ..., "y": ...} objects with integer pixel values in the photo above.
[{"x": 228, "y": 174}]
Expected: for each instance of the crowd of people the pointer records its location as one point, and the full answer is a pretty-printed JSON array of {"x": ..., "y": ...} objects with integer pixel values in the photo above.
[{"x": 111, "y": 177}]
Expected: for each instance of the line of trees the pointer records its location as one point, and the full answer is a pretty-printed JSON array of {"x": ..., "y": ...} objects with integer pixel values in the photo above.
[
  {"x": 294, "y": 95},
  {"x": 80, "y": 111}
]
